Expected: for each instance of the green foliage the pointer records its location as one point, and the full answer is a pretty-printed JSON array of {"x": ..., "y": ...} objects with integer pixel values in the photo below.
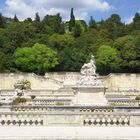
[
  {"x": 127, "y": 48},
  {"x": 60, "y": 103},
  {"x": 92, "y": 23},
  {"x": 33, "y": 97},
  {"x": 137, "y": 98},
  {"x": 18, "y": 101},
  {"x": 2, "y": 21},
  {"x": 136, "y": 22},
  {"x": 37, "y": 18},
  {"x": 15, "y": 19},
  {"x": 38, "y": 59},
  {"x": 114, "y": 26},
  {"x": 72, "y": 20},
  {"x": 3, "y": 61},
  {"x": 26, "y": 84},
  {"x": 54, "y": 23},
  {"x": 107, "y": 60},
  {"x": 73, "y": 40},
  {"x": 82, "y": 24},
  {"x": 77, "y": 30}
]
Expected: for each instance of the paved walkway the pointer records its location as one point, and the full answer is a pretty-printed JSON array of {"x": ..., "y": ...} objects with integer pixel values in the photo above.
[{"x": 76, "y": 133}]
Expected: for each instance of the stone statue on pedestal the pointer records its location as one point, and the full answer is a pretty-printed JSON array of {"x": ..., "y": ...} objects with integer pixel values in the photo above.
[
  {"x": 89, "y": 69},
  {"x": 88, "y": 74},
  {"x": 19, "y": 90}
]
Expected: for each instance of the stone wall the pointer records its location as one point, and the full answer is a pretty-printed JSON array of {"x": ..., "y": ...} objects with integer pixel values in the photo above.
[
  {"x": 69, "y": 78},
  {"x": 122, "y": 82},
  {"x": 54, "y": 81},
  {"x": 7, "y": 81}
]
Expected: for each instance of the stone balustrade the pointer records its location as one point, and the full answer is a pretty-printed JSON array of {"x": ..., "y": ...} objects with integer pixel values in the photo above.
[
  {"x": 70, "y": 116},
  {"x": 68, "y": 119},
  {"x": 107, "y": 120},
  {"x": 20, "y": 119}
]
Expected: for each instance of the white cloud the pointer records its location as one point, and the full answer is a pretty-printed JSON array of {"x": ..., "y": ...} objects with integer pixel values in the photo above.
[
  {"x": 129, "y": 20},
  {"x": 28, "y": 8}
]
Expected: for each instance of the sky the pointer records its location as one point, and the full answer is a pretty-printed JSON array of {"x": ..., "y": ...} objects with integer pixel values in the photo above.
[{"x": 83, "y": 9}]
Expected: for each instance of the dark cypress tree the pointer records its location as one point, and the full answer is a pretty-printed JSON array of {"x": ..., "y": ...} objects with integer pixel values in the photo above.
[
  {"x": 136, "y": 18},
  {"x": 72, "y": 20},
  {"x": 15, "y": 19},
  {"x": 92, "y": 23},
  {"x": 46, "y": 20},
  {"x": 2, "y": 21},
  {"x": 38, "y": 24},
  {"x": 136, "y": 22},
  {"x": 37, "y": 18},
  {"x": 58, "y": 23}
]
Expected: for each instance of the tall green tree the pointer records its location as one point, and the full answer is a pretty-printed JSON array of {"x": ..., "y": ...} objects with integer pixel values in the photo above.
[
  {"x": 62, "y": 29},
  {"x": 15, "y": 19},
  {"x": 127, "y": 48},
  {"x": 3, "y": 61},
  {"x": 38, "y": 59},
  {"x": 114, "y": 26},
  {"x": 2, "y": 21},
  {"x": 77, "y": 30},
  {"x": 37, "y": 18},
  {"x": 38, "y": 24},
  {"x": 53, "y": 23},
  {"x": 107, "y": 60},
  {"x": 136, "y": 22},
  {"x": 92, "y": 23},
  {"x": 72, "y": 20}
]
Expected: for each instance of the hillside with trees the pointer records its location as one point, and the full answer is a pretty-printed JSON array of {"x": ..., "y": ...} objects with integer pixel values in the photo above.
[{"x": 50, "y": 44}]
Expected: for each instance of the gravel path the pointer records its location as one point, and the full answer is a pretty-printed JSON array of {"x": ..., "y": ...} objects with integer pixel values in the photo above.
[{"x": 75, "y": 133}]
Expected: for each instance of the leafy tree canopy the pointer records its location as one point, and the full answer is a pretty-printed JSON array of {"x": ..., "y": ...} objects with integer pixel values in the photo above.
[
  {"x": 38, "y": 59},
  {"x": 73, "y": 40},
  {"x": 107, "y": 59}
]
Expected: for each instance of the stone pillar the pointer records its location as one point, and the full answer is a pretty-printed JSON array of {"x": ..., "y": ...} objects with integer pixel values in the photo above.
[
  {"x": 90, "y": 95},
  {"x": 134, "y": 120}
]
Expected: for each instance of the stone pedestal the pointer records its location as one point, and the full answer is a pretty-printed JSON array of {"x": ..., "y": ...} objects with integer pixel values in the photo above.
[{"x": 90, "y": 95}]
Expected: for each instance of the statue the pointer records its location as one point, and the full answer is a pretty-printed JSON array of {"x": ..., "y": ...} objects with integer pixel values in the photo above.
[
  {"x": 20, "y": 90},
  {"x": 88, "y": 74},
  {"x": 89, "y": 68}
]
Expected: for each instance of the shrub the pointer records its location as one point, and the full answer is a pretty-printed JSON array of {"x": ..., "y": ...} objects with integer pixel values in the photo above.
[
  {"x": 33, "y": 97},
  {"x": 137, "y": 98},
  {"x": 19, "y": 100}
]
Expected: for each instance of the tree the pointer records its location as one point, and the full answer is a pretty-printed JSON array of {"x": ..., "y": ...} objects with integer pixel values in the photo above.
[
  {"x": 58, "y": 23},
  {"x": 2, "y": 21},
  {"x": 15, "y": 19},
  {"x": 28, "y": 20},
  {"x": 92, "y": 23},
  {"x": 136, "y": 22},
  {"x": 77, "y": 30},
  {"x": 37, "y": 18},
  {"x": 46, "y": 20},
  {"x": 53, "y": 23},
  {"x": 72, "y": 20},
  {"x": 3, "y": 61},
  {"x": 38, "y": 24},
  {"x": 62, "y": 29},
  {"x": 137, "y": 43},
  {"x": 114, "y": 26},
  {"x": 107, "y": 60},
  {"x": 127, "y": 48},
  {"x": 38, "y": 59}
]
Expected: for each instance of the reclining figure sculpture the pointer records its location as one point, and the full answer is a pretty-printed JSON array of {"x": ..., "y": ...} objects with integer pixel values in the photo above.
[{"x": 88, "y": 74}]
